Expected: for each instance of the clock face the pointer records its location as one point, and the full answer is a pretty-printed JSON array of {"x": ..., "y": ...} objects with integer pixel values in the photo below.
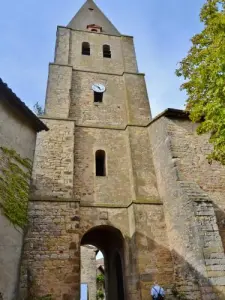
[{"x": 98, "y": 88}]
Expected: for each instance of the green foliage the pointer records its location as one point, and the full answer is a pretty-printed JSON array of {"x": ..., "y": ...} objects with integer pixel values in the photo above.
[
  {"x": 203, "y": 70},
  {"x": 100, "y": 278},
  {"x": 100, "y": 295},
  {"x": 38, "y": 109},
  {"x": 15, "y": 174}
]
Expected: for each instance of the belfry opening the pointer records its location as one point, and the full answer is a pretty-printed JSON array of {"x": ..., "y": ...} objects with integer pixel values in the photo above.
[{"x": 108, "y": 283}]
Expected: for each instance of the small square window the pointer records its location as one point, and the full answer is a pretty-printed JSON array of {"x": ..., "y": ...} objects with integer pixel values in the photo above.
[{"x": 98, "y": 97}]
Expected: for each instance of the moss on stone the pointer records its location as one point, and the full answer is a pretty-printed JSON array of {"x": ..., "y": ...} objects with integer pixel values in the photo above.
[
  {"x": 150, "y": 200},
  {"x": 15, "y": 176},
  {"x": 46, "y": 297}
]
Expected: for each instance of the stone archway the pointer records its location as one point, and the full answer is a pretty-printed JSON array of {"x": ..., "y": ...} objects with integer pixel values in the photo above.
[{"x": 110, "y": 242}]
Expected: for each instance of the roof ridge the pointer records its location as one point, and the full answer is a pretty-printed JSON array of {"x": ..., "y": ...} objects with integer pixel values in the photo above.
[{"x": 15, "y": 101}]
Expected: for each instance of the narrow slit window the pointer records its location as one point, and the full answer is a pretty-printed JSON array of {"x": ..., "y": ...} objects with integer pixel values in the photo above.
[
  {"x": 107, "y": 51},
  {"x": 86, "y": 48},
  {"x": 100, "y": 163},
  {"x": 98, "y": 97}
]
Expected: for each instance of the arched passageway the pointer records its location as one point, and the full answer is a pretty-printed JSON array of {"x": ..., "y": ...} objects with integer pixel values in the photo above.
[
  {"x": 109, "y": 241},
  {"x": 119, "y": 274}
]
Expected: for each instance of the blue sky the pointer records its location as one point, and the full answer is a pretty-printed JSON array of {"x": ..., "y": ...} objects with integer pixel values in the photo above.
[{"x": 161, "y": 28}]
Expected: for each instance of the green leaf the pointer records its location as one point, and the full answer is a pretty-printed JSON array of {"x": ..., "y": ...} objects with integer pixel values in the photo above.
[{"x": 203, "y": 70}]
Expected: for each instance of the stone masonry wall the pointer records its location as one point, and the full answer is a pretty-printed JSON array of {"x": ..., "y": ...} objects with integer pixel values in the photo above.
[
  {"x": 88, "y": 270},
  {"x": 51, "y": 259},
  {"x": 183, "y": 240},
  {"x": 142, "y": 165},
  {"x": 137, "y": 99},
  {"x": 111, "y": 112},
  {"x": 152, "y": 252},
  {"x": 129, "y": 55},
  {"x": 62, "y": 46},
  {"x": 120, "y": 46},
  {"x": 51, "y": 262},
  {"x": 129, "y": 167},
  {"x": 58, "y": 91},
  {"x": 114, "y": 189},
  {"x": 96, "y": 62},
  {"x": 179, "y": 191},
  {"x": 69, "y": 45},
  {"x": 191, "y": 159},
  {"x": 124, "y": 101},
  {"x": 212, "y": 245},
  {"x": 190, "y": 151},
  {"x": 53, "y": 165}
]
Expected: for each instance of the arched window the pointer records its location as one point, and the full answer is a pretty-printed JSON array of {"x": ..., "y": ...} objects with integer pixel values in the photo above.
[
  {"x": 86, "y": 48},
  {"x": 100, "y": 163},
  {"x": 106, "y": 51}
]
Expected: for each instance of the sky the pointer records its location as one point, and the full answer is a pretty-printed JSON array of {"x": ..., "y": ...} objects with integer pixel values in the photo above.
[{"x": 161, "y": 28}]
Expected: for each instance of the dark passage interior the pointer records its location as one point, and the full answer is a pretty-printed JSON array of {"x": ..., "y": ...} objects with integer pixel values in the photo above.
[
  {"x": 100, "y": 163},
  {"x": 119, "y": 275},
  {"x": 109, "y": 241}
]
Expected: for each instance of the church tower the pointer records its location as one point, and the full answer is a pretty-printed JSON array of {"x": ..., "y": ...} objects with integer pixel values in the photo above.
[
  {"x": 93, "y": 176},
  {"x": 106, "y": 175}
]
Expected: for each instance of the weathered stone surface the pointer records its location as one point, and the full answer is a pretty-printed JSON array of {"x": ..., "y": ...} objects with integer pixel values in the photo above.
[
  {"x": 103, "y": 215},
  {"x": 88, "y": 269},
  {"x": 181, "y": 167},
  {"x": 53, "y": 165}
]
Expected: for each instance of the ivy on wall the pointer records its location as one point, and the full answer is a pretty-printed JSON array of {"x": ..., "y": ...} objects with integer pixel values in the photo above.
[{"x": 15, "y": 173}]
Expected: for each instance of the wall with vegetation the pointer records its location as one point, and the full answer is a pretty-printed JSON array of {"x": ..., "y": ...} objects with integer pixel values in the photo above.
[{"x": 17, "y": 143}]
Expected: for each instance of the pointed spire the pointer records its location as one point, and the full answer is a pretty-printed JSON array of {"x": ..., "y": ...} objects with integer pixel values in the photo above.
[{"x": 90, "y": 14}]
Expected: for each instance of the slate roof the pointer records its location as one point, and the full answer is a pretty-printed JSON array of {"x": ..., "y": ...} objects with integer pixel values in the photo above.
[
  {"x": 90, "y": 14},
  {"x": 173, "y": 113},
  {"x": 7, "y": 95},
  {"x": 100, "y": 264}
]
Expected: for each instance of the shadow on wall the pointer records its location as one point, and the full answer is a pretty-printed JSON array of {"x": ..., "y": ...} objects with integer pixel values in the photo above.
[
  {"x": 180, "y": 279},
  {"x": 220, "y": 217},
  {"x": 170, "y": 270}
]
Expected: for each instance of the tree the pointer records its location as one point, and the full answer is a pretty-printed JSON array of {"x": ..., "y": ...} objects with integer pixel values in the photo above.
[
  {"x": 203, "y": 71},
  {"x": 38, "y": 109}
]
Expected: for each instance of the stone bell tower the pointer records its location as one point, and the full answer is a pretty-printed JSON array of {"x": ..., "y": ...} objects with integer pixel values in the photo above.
[{"x": 93, "y": 176}]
